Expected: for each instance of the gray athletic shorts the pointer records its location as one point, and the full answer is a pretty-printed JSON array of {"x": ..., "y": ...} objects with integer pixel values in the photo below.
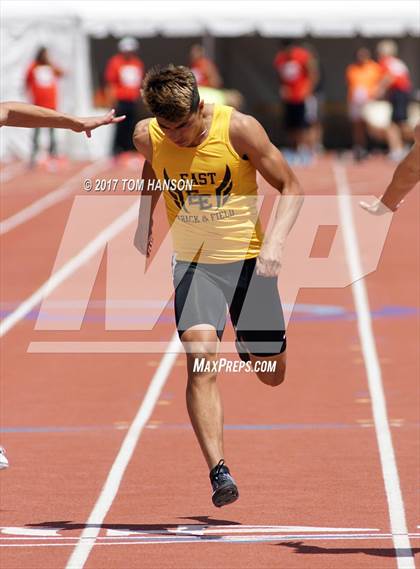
[{"x": 204, "y": 292}]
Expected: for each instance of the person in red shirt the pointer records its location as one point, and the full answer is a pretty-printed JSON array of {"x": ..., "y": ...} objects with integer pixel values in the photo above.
[
  {"x": 297, "y": 74},
  {"x": 205, "y": 71},
  {"x": 124, "y": 74},
  {"x": 42, "y": 85}
]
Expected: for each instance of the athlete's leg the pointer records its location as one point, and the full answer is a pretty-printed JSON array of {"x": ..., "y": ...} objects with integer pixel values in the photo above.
[
  {"x": 200, "y": 312},
  {"x": 258, "y": 319},
  {"x": 203, "y": 398}
]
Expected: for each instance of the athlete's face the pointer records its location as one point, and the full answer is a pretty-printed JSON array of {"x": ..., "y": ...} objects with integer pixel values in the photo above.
[{"x": 186, "y": 132}]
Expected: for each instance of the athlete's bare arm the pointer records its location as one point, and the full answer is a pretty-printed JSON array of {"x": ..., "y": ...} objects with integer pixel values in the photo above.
[
  {"x": 249, "y": 138},
  {"x": 405, "y": 177},
  {"x": 32, "y": 116},
  {"x": 143, "y": 238}
]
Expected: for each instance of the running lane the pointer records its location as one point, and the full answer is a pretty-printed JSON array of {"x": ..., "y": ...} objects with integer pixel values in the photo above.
[
  {"x": 304, "y": 454},
  {"x": 63, "y": 416}
]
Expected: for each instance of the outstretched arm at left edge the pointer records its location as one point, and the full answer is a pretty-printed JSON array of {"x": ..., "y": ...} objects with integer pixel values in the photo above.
[
  {"x": 249, "y": 137},
  {"x": 33, "y": 116}
]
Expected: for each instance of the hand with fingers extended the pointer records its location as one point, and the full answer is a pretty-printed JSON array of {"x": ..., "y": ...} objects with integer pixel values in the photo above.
[{"x": 88, "y": 124}]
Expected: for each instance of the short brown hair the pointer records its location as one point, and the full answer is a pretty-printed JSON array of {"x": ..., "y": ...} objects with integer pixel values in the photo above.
[{"x": 170, "y": 92}]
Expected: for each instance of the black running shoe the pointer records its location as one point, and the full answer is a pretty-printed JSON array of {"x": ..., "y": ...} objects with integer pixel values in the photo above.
[
  {"x": 225, "y": 490},
  {"x": 242, "y": 351}
]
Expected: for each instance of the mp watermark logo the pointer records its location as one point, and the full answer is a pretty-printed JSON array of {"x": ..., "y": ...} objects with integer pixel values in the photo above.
[{"x": 99, "y": 236}]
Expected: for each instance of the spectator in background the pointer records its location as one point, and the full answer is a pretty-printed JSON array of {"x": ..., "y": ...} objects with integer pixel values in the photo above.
[
  {"x": 363, "y": 79},
  {"x": 396, "y": 86},
  {"x": 315, "y": 102},
  {"x": 205, "y": 71},
  {"x": 42, "y": 86},
  {"x": 210, "y": 82},
  {"x": 124, "y": 74},
  {"x": 297, "y": 73}
]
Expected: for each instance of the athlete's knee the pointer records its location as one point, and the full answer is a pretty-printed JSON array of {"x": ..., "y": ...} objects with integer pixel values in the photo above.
[
  {"x": 201, "y": 350},
  {"x": 201, "y": 364}
]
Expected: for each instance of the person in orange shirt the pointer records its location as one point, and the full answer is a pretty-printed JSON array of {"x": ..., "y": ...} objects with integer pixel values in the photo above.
[
  {"x": 124, "y": 74},
  {"x": 363, "y": 81},
  {"x": 297, "y": 73},
  {"x": 205, "y": 71},
  {"x": 42, "y": 85}
]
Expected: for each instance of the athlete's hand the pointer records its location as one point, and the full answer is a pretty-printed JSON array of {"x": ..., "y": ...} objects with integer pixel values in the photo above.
[
  {"x": 269, "y": 262},
  {"x": 376, "y": 208},
  {"x": 143, "y": 239},
  {"x": 90, "y": 123}
]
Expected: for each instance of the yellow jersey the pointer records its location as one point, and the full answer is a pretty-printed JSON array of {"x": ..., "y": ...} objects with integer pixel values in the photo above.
[{"x": 210, "y": 195}]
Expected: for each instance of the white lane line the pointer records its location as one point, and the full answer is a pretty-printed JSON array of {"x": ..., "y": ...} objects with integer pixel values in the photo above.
[
  {"x": 69, "y": 268},
  {"x": 211, "y": 539},
  {"x": 138, "y": 534},
  {"x": 404, "y": 554},
  {"x": 88, "y": 537},
  {"x": 61, "y": 193}
]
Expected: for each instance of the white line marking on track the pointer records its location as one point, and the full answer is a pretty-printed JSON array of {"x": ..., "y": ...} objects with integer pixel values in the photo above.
[
  {"x": 30, "y": 532},
  {"x": 69, "y": 268},
  {"x": 228, "y": 529},
  {"x": 110, "y": 488},
  {"x": 23, "y": 533},
  {"x": 405, "y": 559},
  {"x": 170, "y": 540},
  {"x": 68, "y": 188}
]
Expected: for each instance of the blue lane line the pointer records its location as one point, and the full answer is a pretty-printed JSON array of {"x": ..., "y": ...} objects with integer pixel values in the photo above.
[
  {"x": 186, "y": 426},
  {"x": 301, "y": 313}
]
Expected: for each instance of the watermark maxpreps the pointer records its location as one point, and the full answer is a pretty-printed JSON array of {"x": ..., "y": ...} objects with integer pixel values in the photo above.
[{"x": 203, "y": 365}]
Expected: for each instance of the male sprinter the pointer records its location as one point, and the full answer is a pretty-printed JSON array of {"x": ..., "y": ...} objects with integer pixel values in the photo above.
[
  {"x": 32, "y": 116},
  {"x": 221, "y": 258},
  {"x": 405, "y": 177}
]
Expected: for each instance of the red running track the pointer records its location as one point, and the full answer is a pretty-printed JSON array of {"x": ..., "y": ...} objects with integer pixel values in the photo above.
[{"x": 305, "y": 454}]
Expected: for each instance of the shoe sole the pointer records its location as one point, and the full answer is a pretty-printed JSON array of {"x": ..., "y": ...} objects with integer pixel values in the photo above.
[{"x": 225, "y": 495}]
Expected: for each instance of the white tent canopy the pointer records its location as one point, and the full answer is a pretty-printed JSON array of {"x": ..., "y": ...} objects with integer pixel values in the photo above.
[
  {"x": 67, "y": 25},
  {"x": 231, "y": 18}
]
